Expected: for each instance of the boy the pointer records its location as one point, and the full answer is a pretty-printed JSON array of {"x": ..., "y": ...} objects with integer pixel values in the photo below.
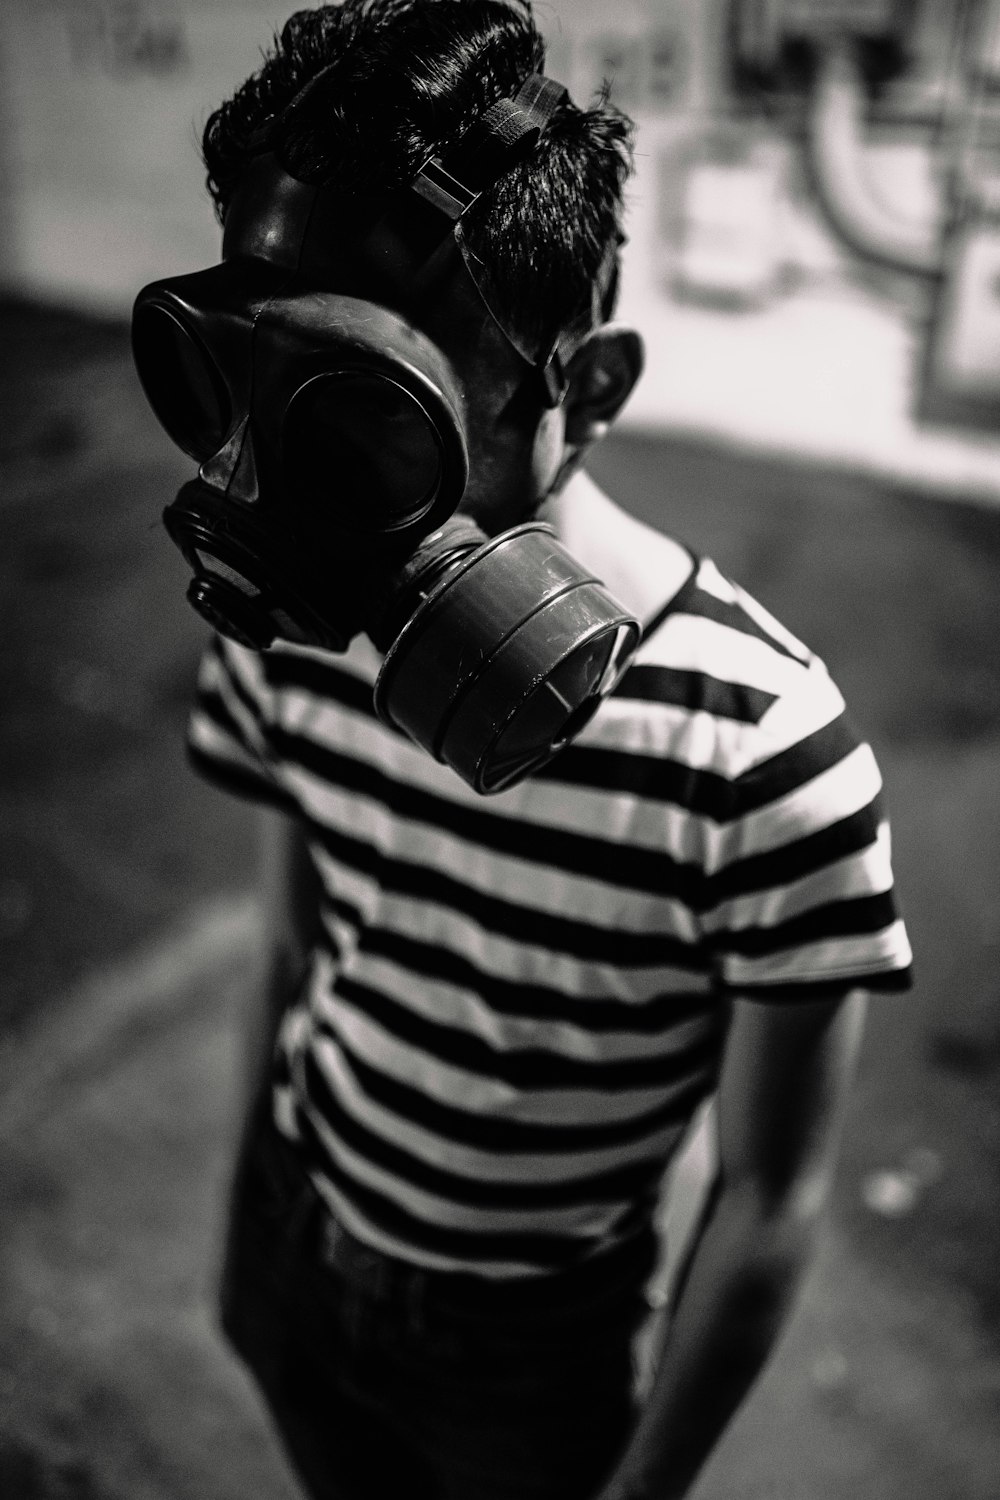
[{"x": 490, "y": 1020}]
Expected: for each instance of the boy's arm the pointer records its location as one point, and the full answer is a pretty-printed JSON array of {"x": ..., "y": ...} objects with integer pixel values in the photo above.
[
  {"x": 784, "y": 1083},
  {"x": 289, "y": 900}
]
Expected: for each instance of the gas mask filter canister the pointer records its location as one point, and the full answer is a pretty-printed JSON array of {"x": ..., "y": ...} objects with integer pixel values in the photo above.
[{"x": 332, "y": 459}]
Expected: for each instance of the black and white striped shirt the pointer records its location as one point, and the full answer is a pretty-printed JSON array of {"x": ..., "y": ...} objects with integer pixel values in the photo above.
[{"x": 520, "y": 1000}]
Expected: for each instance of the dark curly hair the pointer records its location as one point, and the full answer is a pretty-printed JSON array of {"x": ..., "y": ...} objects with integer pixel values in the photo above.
[{"x": 404, "y": 79}]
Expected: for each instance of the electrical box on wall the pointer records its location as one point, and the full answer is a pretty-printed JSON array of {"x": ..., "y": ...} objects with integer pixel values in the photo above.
[
  {"x": 809, "y": 18},
  {"x": 773, "y": 41},
  {"x": 659, "y": 57},
  {"x": 729, "y": 230}
]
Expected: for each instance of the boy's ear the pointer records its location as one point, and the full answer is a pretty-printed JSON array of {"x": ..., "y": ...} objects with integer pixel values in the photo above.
[{"x": 602, "y": 374}]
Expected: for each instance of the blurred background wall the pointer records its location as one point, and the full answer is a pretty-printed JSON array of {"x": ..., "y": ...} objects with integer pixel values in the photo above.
[
  {"x": 813, "y": 256},
  {"x": 814, "y": 241}
]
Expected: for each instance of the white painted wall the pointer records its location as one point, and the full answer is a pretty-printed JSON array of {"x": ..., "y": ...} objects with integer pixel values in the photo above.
[{"x": 102, "y": 105}]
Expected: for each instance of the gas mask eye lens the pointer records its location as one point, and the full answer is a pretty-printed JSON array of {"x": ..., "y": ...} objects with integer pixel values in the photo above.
[
  {"x": 181, "y": 381},
  {"x": 367, "y": 444}
]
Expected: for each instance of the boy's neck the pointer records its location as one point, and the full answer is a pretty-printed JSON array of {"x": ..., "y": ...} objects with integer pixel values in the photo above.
[{"x": 643, "y": 567}]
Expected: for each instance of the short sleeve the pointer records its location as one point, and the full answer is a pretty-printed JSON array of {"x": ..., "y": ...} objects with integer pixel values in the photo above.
[
  {"x": 802, "y": 899},
  {"x": 227, "y": 730}
]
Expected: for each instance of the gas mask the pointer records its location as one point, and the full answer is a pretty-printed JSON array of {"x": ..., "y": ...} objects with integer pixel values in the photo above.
[{"x": 328, "y": 430}]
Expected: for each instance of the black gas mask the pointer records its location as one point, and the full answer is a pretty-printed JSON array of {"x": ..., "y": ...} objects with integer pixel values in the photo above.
[{"x": 328, "y": 429}]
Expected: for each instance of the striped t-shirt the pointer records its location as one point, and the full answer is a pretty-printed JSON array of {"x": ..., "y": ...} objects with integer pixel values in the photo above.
[{"x": 519, "y": 1001}]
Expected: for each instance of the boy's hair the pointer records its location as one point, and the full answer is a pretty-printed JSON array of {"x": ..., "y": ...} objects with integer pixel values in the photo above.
[{"x": 408, "y": 78}]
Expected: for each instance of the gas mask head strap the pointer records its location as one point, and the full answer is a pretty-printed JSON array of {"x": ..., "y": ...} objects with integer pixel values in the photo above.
[
  {"x": 504, "y": 136},
  {"x": 507, "y": 133}
]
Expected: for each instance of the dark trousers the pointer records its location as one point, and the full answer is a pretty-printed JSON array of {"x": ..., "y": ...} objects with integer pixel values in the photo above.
[{"x": 386, "y": 1381}]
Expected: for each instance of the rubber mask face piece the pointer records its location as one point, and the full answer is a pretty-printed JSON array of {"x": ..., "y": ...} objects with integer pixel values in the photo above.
[{"x": 330, "y": 435}]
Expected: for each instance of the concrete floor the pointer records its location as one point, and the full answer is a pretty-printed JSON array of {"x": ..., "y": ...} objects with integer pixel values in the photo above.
[{"x": 127, "y": 921}]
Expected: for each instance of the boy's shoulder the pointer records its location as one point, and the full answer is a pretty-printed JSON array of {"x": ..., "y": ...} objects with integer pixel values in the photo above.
[
  {"x": 656, "y": 576},
  {"x": 717, "y": 678}
]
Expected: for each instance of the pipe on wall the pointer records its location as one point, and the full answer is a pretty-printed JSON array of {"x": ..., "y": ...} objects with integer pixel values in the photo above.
[{"x": 836, "y": 157}]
